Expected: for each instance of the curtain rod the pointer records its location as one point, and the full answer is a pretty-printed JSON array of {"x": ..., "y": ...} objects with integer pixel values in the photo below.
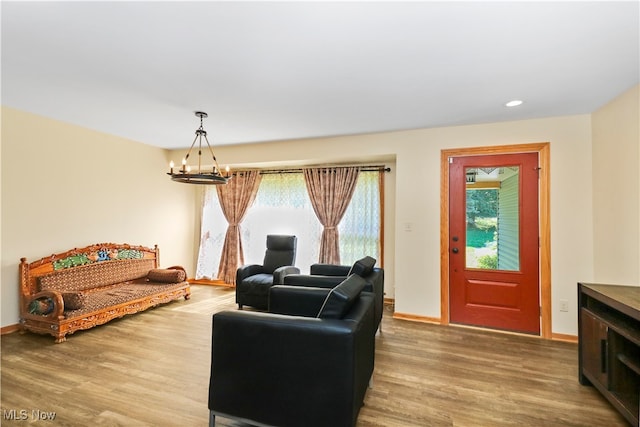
[{"x": 368, "y": 168}]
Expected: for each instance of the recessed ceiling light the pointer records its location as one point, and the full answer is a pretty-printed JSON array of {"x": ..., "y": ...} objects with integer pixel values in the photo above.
[{"x": 513, "y": 103}]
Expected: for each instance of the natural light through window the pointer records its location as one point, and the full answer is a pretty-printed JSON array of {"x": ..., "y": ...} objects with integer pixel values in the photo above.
[{"x": 282, "y": 206}]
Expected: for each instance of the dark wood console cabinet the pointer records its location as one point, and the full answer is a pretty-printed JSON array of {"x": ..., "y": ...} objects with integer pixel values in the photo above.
[{"x": 609, "y": 344}]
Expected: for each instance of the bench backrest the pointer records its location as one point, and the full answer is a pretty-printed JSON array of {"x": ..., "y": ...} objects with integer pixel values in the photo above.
[{"x": 95, "y": 275}]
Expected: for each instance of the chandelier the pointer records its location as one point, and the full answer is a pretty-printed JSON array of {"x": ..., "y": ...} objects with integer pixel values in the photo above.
[{"x": 208, "y": 177}]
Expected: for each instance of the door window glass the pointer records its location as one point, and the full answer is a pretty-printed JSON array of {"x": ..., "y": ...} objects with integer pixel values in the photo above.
[{"x": 492, "y": 218}]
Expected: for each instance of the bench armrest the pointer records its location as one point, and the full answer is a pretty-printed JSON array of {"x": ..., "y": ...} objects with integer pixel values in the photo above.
[{"x": 57, "y": 311}]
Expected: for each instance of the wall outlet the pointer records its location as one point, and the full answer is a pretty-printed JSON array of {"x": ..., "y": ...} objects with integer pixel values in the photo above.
[{"x": 564, "y": 305}]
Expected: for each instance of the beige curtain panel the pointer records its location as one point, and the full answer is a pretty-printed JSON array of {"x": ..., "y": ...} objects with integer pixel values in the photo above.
[
  {"x": 235, "y": 199},
  {"x": 330, "y": 191}
]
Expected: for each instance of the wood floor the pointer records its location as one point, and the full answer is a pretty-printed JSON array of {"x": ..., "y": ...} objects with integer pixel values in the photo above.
[{"x": 152, "y": 369}]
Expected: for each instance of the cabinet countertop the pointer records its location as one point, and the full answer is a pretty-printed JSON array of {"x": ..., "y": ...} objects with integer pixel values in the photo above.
[{"x": 627, "y": 295}]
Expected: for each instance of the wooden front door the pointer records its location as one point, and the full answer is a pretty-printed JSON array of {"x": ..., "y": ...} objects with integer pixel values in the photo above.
[{"x": 494, "y": 242}]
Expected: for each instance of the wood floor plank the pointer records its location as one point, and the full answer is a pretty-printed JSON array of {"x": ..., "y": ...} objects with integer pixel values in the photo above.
[{"x": 152, "y": 369}]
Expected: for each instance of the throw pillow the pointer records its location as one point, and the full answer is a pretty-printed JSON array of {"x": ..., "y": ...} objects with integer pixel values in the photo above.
[
  {"x": 41, "y": 306},
  {"x": 166, "y": 275},
  {"x": 340, "y": 299},
  {"x": 73, "y": 300}
]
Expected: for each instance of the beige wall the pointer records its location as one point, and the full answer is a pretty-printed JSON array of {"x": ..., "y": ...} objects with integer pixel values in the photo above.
[
  {"x": 64, "y": 186},
  {"x": 616, "y": 189},
  {"x": 412, "y": 270}
]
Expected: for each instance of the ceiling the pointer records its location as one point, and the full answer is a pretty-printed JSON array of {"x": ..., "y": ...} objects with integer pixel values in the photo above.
[{"x": 267, "y": 71}]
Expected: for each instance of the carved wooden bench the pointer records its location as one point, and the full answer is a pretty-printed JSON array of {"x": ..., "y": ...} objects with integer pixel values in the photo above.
[{"x": 86, "y": 287}]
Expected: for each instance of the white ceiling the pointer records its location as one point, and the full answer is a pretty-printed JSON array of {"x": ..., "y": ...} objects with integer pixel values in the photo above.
[{"x": 287, "y": 70}]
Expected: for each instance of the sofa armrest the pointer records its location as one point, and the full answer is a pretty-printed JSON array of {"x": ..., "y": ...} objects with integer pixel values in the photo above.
[
  {"x": 322, "y": 281},
  {"x": 57, "y": 311},
  {"x": 296, "y": 300},
  {"x": 315, "y": 281},
  {"x": 280, "y": 273},
  {"x": 329, "y": 269},
  {"x": 247, "y": 270},
  {"x": 262, "y": 362}
]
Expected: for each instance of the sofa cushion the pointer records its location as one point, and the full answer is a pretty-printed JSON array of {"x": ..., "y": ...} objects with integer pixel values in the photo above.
[
  {"x": 124, "y": 293},
  {"x": 363, "y": 267},
  {"x": 166, "y": 275},
  {"x": 258, "y": 284},
  {"x": 340, "y": 299}
]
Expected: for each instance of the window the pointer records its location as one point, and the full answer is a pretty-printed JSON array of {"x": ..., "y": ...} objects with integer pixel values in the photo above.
[
  {"x": 282, "y": 206},
  {"x": 360, "y": 228},
  {"x": 493, "y": 230}
]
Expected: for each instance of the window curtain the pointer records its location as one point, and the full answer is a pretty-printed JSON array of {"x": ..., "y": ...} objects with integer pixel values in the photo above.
[
  {"x": 213, "y": 228},
  {"x": 330, "y": 191},
  {"x": 235, "y": 198},
  {"x": 360, "y": 227}
]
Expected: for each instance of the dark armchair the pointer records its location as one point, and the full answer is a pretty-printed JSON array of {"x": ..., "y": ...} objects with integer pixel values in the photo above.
[
  {"x": 329, "y": 275},
  {"x": 253, "y": 281},
  {"x": 308, "y": 362}
]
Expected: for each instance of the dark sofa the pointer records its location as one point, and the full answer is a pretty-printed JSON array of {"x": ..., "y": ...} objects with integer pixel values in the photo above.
[
  {"x": 329, "y": 275},
  {"x": 308, "y": 362}
]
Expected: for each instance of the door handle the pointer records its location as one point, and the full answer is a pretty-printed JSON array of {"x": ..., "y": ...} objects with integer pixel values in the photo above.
[{"x": 454, "y": 250}]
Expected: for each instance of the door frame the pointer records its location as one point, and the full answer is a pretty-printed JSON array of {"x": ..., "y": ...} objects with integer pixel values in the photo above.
[{"x": 543, "y": 150}]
